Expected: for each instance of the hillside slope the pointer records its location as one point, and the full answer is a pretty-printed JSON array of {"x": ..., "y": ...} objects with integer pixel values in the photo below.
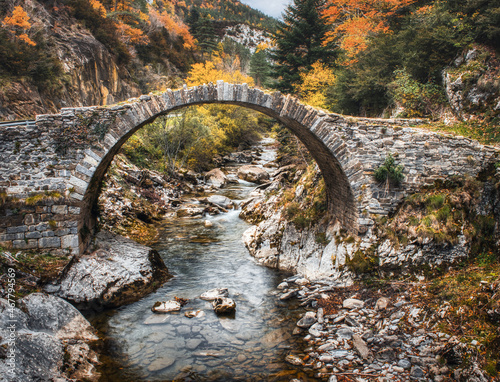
[{"x": 56, "y": 54}]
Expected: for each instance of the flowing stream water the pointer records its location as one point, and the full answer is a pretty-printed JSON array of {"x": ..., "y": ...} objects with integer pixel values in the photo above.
[{"x": 251, "y": 346}]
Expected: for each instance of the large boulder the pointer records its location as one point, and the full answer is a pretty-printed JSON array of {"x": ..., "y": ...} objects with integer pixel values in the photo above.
[
  {"x": 254, "y": 174},
  {"x": 220, "y": 201},
  {"x": 117, "y": 272},
  {"x": 55, "y": 316},
  {"x": 216, "y": 178},
  {"x": 52, "y": 341}
]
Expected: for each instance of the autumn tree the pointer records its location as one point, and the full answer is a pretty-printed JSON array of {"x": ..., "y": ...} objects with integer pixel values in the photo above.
[
  {"x": 301, "y": 40},
  {"x": 204, "y": 73},
  {"x": 18, "y": 23},
  {"x": 482, "y": 18},
  {"x": 355, "y": 20},
  {"x": 315, "y": 84},
  {"x": 174, "y": 26}
]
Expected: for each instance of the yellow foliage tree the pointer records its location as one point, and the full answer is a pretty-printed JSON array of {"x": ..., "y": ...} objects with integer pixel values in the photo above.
[
  {"x": 97, "y": 5},
  {"x": 314, "y": 85},
  {"x": 204, "y": 73},
  {"x": 19, "y": 24}
]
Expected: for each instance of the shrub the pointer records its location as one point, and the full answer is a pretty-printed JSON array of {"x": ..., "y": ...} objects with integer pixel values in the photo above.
[
  {"x": 417, "y": 99},
  {"x": 321, "y": 238},
  {"x": 362, "y": 262},
  {"x": 435, "y": 201},
  {"x": 390, "y": 172},
  {"x": 292, "y": 210}
]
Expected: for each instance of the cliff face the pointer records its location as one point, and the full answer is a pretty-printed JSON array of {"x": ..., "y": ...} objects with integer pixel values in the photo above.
[
  {"x": 94, "y": 77},
  {"x": 91, "y": 75},
  {"x": 472, "y": 84}
]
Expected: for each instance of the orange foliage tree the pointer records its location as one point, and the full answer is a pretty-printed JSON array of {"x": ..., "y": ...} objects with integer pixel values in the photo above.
[
  {"x": 97, "y": 5},
  {"x": 171, "y": 23},
  {"x": 355, "y": 20},
  {"x": 129, "y": 34},
  {"x": 19, "y": 24}
]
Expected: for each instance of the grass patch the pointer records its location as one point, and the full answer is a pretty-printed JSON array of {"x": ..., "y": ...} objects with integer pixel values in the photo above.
[
  {"x": 37, "y": 198},
  {"x": 486, "y": 132},
  {"x": 442, "y": 213},
  {"x": 32, "y": 270}
]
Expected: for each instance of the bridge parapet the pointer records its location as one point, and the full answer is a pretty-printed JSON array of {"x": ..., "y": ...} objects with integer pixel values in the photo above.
[{"x": 51, "y": 171}]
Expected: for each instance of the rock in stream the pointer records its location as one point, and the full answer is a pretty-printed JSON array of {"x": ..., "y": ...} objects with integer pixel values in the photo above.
[{"x": 117, "y": 272}]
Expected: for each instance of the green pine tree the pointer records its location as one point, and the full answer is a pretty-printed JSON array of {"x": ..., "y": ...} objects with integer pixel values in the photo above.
[
  {"x": 203, "y": 30},
  {"x": 260, "y": 68},
  {"x": 300, "y": 42}
]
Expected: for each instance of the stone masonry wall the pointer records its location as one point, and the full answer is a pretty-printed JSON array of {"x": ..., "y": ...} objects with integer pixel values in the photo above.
[
  {"x": 50, "y": 173},
  {"x": 425, "y": 155}
]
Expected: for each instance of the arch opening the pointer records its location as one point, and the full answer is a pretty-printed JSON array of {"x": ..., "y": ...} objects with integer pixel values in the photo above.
[{"x": 304, "y": 122}]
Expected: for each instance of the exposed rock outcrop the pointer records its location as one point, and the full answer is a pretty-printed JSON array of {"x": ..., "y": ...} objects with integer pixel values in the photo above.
[
  {"x": 92, "y": 74},
  {"x": 51, "y": 341},
  {"x": 285, "y": 237},
  {"x": 472, "y": 85},
  {"x": 117, "y": 272}
]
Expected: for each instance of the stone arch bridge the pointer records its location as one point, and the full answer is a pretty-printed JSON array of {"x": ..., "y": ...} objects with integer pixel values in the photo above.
[{"x": 51, "y": 169}]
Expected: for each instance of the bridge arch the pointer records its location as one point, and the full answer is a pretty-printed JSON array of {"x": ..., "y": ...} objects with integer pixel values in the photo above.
[
  {"x": 51, "y": 168},
  {"x": 339, "y": 170}
]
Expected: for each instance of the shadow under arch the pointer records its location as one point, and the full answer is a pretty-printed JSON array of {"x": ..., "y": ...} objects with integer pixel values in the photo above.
[{"x": 311, "y": 127}]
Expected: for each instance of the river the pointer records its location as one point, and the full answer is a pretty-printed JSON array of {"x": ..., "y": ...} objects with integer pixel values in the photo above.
[{"x": 251, "y": 346}]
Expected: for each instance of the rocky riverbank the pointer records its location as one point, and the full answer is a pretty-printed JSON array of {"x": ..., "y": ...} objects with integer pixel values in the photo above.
[
  {"x": 441, "y": 225},
  {"x": 378, "y": 334},
  {"x": 433, "y": 263},
  {"x": 134, "y": 200}
]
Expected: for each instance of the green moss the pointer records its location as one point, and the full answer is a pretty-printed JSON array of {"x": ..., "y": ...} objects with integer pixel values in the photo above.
[
  {"x": 36, "y": 198},
  {"x": 427, "y": 221},
  {"x": 435, "y": 201}
]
